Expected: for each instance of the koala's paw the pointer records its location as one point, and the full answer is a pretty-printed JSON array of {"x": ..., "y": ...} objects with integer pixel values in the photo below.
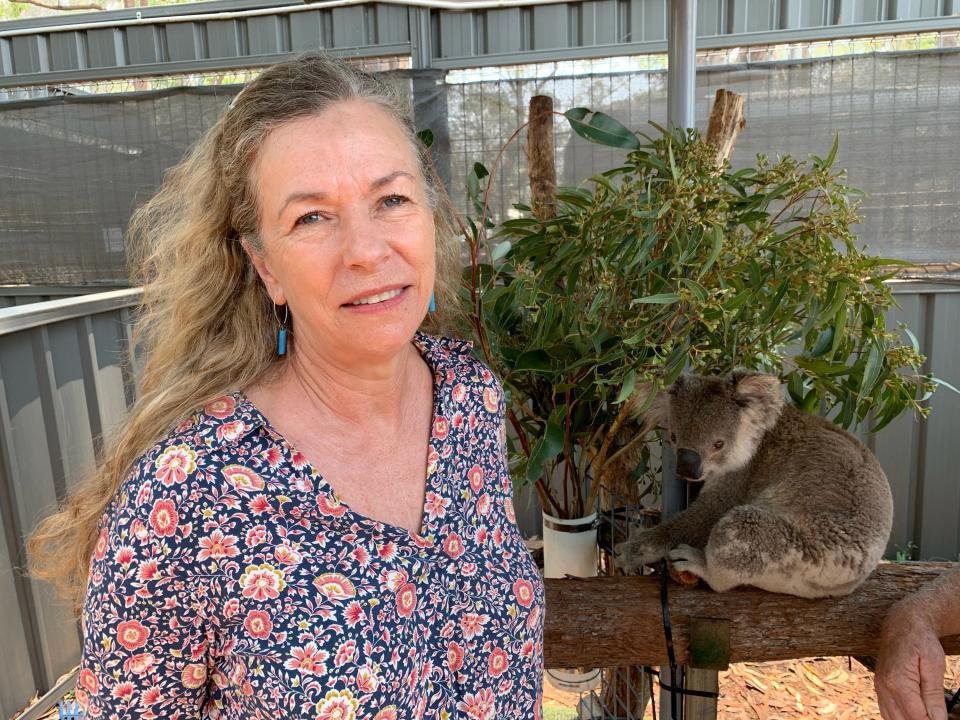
[
  {"x": 642, "y": 548},
  {"x": 687, "y": 561}
]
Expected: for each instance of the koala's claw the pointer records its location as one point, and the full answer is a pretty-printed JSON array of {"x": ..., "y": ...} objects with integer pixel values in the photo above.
[
  {"x": 688, "y": 559},
  {"x": 626, "y": 560}
]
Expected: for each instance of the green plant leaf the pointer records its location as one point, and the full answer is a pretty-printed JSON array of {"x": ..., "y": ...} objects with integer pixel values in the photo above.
[
  {"x": 426, "y": 137},
  {"x": 601, "y": 129},
  {"x": 661, "y": 299},
  {"x": 536, "y": 360},
  {"x": 944, "y": 383},
  {"x": 500, "y": 250},
  {"x": 716, "y": 245},
  {"x": 627, "y": 388},
  {"x": 823, "y": 343},
  {"x": 546, "y": 448},
  {"x": 871, "y": 371}
]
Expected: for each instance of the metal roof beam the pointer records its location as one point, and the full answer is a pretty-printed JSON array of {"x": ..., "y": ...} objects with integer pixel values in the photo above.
[{"x": 237, "y": 34}]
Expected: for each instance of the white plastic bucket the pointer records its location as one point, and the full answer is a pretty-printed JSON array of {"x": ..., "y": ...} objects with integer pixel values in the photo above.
[{"x": 570, "y": 548}]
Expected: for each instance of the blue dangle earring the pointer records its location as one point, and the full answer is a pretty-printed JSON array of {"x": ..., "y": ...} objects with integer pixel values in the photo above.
[
  {"x": 282, "y": 330},
  {"x": 433, "y": 302}
]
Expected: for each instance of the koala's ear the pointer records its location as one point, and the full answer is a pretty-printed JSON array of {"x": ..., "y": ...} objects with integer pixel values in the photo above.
[
  {"x": 755, "y": 390},
  {"x": 657, "y": 413}
]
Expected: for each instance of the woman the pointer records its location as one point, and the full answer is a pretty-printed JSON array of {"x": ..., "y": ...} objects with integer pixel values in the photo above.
[
  {"x": 308, "y": 512},
  {"x": 911, "y": 664}
]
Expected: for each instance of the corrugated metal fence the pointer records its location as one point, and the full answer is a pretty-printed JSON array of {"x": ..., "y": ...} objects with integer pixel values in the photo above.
[{"x": 62, "y": 384}]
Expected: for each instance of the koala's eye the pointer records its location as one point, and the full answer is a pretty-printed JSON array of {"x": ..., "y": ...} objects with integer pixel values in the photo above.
[
  {"x": 718, "y": 445},
  {"x": 673, "y": 437}
]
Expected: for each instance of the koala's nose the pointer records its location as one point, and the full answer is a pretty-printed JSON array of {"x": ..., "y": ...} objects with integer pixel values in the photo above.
[{"x": 688, "y": 464}]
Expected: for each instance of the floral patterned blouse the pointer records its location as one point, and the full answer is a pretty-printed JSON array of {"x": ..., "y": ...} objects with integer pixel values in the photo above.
[{"x": 230, "y": 581}]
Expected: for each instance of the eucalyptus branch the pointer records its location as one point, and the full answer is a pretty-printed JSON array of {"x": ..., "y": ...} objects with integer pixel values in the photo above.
[{"x": 601, "y": 459}]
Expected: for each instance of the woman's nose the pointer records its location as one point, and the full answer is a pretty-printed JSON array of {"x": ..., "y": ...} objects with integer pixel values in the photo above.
[{"x": 365, "y": 242}]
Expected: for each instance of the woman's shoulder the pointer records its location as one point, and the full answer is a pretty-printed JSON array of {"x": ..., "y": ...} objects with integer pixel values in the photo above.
[
  {"x": 455, "y": 356},
  {"x": 470, "y": 381},
  {"x": 194, "y": 453}
]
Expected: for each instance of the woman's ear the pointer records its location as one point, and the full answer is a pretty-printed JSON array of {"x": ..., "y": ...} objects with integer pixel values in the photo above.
[{"x": 262, "y": 266}]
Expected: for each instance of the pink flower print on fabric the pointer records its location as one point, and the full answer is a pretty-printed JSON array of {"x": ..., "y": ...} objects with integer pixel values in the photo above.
[
  {"x": 337, "y": 705},
  {"x": 132, "y": 634},
  {"x": 175, "y": 464},
  {"x": 163, "y": 518},
  {"x": 335, "y": 586},
  {"x": 258, "y": 624},
  {"x": 479, "y": 706},
  {"x": 308, "y": 659},
  {"x": 262, "y": 582},
  {"x": 243, "y": 478},
  {"x": 217, "y": 545}
]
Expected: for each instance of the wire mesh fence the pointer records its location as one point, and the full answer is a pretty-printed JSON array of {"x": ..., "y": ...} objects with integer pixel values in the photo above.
[{"x": 74, "y": 166}]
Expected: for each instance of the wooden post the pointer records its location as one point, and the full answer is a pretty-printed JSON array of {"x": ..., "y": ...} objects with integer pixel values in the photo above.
[
  {"x": 726, "y": 122},
  {"x": 540, "y": 157},
  {"x": 619, "y": 621}
]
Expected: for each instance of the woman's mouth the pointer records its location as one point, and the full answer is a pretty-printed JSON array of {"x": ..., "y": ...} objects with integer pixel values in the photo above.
[{"x": 377, "y": 298}]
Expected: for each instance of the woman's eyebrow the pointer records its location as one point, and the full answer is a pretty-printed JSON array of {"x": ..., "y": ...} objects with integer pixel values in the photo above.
[{"x": 320, "y": 195}]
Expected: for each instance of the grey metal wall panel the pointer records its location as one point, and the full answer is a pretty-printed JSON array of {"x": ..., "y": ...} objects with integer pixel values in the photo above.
[
  {"x": 648, "y": 20},
  {"x": 897, "y": 445},
  {"x": 456, "y": 36},
  {"x": 711, "y": 17},
  {"x": 76, "y": 437},
  {"x": 862, "y": 11},
  {"x": 223, "y": 38},
  {"x": 504, "y": 31},
  {"x": 393, "y": 23},
  {"x": 35, "y": 495},
  {"x": 67, "y": 51},
  {"x": 26, "y": 54},
  {"x": 110, "y": 342},
  {"x": 803, "y": 13},
  {"x": 348, "y": 26},
  {"x": 101, "y": 50},
  {"x": 551, "y": 26},
  {"x": 912, "y": 9},
  {"x": 16, "y": 675},
  {"x": 182, "y": 41},
  {"x": 940, "y": 489},
  {"x": 601, "y": 23},
  {"x": 143, "y": 44},
  {"x": 306, "y": 31},
  {"x": 753, "y": 15},
  {"x": 266, "y": 35}
]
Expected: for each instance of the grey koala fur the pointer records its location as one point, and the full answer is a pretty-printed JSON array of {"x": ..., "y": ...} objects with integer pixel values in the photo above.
[{"x": 790, "y": 503}]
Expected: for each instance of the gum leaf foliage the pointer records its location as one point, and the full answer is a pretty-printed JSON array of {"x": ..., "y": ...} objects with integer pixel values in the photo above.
[{"x": 667, "y": 262}]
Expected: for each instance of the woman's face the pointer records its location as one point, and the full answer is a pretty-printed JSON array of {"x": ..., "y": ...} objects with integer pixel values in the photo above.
[{"x": 347, "y": 231}]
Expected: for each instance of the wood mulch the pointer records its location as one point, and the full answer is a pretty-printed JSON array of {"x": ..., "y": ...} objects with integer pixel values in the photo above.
[{"x": 809, "y": 688}]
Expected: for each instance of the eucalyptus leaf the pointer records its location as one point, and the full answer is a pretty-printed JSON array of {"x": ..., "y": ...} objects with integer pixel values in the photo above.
[
  {"x": 626, "y": 390},
  {"x": 661, "y": 299},
  {"x": 601, "y": 129}
]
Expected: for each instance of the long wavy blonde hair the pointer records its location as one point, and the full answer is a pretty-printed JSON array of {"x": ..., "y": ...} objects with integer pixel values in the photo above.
[{"x": 206, "y": 326}]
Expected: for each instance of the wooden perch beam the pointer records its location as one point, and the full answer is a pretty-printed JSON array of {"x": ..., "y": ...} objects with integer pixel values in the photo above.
[{"x": 612, "y": 621}]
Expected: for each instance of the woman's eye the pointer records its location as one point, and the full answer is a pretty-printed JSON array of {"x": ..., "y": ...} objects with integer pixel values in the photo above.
[
  {"x": 309, "y": 219},
  {"x": 394, "y": 201}
]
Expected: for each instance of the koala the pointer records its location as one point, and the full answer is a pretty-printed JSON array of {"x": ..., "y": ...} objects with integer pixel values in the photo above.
[{"x": 790, "y": 503}]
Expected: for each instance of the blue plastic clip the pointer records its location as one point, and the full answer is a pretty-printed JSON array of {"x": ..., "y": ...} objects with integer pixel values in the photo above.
[{"x": 69, "y": 710}]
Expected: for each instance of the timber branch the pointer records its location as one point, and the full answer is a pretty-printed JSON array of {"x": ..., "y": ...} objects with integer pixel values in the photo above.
[{"x": 613, "y": 621}]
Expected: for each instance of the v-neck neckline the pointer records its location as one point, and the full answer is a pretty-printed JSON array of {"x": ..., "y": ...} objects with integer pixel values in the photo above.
[{"x": 423, "y": 343}]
